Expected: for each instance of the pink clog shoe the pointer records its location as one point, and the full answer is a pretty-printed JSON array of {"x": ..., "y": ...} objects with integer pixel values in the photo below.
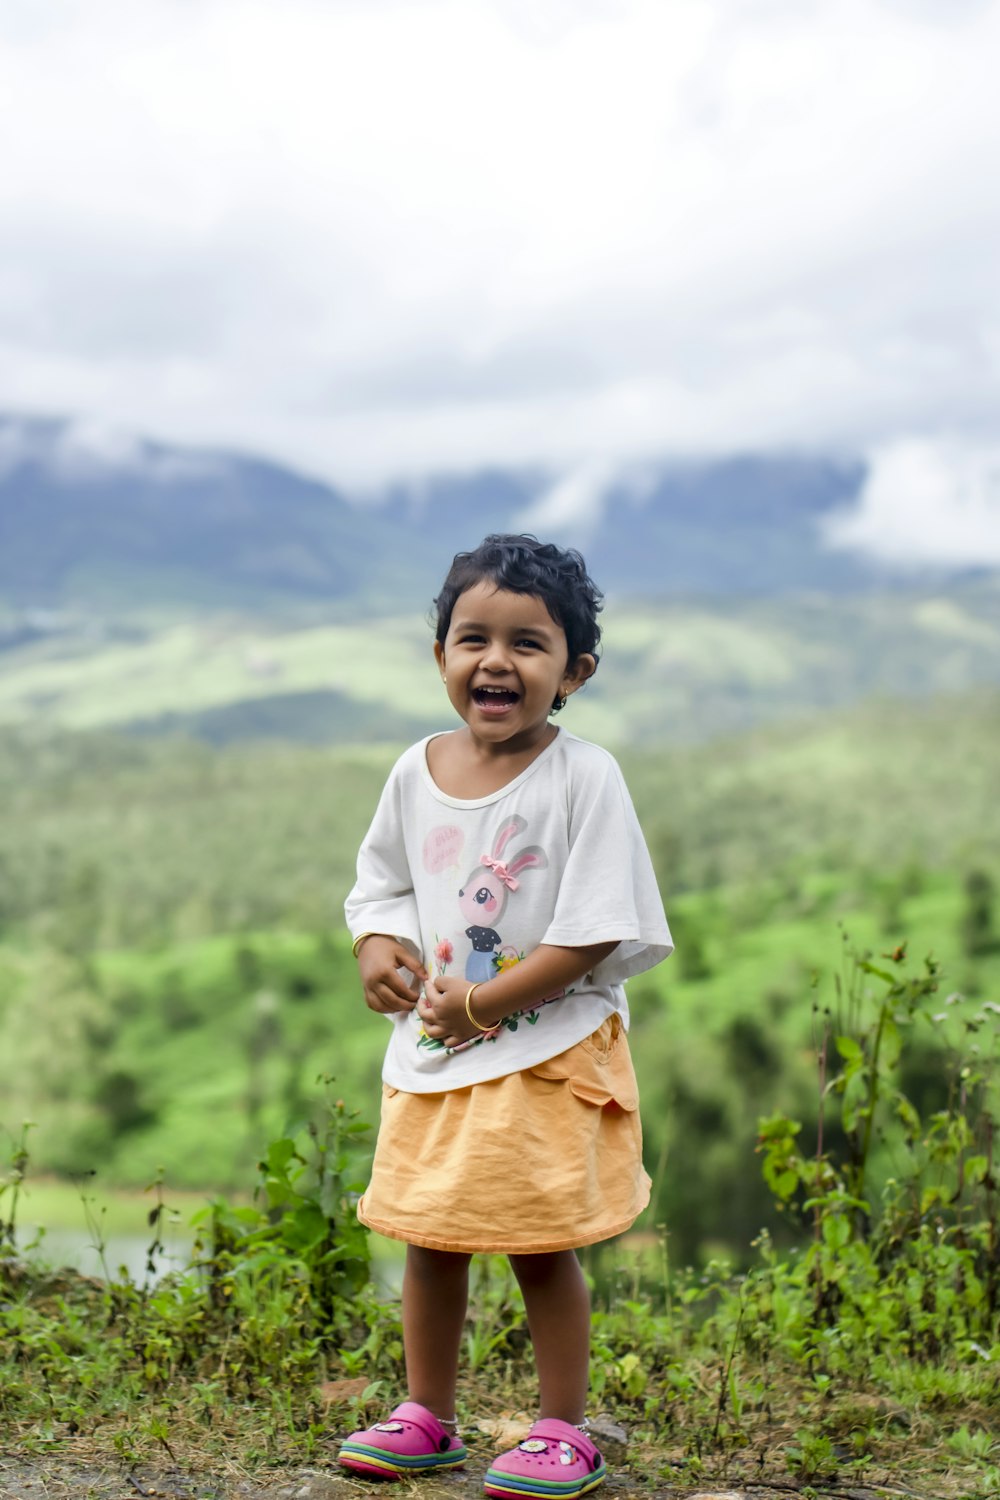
[
  {"x": 410, "y": 1441},
  {"x": 555, "y": 1459}
]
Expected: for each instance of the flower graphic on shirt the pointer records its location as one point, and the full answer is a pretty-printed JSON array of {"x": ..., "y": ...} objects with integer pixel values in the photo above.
[
  {"x": 444, "y": 953},
  {"x": 506, "y": 959}
]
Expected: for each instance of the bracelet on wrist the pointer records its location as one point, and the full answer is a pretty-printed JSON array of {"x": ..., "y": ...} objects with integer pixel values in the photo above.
[
  {"x": 361, "y": 938},
  {"x": 468, "y": 1010}
]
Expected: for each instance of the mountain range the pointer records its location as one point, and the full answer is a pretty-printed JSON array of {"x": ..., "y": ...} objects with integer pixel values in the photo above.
[{"x": 106, "y": 527}]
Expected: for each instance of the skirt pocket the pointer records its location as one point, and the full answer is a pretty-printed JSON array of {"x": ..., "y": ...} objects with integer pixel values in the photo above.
[{"x": 599, "y": 1070}]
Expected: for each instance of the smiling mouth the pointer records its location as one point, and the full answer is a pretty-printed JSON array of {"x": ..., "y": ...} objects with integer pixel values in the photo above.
[{"x": 493, "y": 699}]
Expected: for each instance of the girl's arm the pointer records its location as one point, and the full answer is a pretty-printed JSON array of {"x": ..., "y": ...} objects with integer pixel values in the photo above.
[{"x": 546, "y": 970}]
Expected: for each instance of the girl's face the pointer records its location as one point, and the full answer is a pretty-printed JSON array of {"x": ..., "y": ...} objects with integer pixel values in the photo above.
[{"x": 504, "y": 662}]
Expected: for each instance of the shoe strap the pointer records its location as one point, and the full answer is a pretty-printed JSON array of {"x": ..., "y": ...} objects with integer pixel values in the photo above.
[
  {"x": 419, "y": 1416},
  {"x": 556, "y": 1431}
]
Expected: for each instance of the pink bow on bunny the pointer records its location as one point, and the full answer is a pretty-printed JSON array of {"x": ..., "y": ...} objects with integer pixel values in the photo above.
[{"x": 500, "y": 870}]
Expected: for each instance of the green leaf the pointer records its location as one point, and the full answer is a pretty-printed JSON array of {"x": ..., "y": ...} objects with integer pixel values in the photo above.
[
  {"x": 786, "y": 1183},
  {"x": 869, "y": 968},
  {"x": 836, "y": 1231},
  {"x": 849, "y": 1049},
  {"x": 891, "y": 1044}
]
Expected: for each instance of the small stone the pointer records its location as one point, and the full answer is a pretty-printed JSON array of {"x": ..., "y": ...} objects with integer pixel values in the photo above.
[{"x": 609, "y": 1437}]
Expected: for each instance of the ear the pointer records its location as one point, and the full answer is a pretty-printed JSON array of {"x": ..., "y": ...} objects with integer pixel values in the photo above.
[
  {"x": 577, "y": 673},
  {"x": 528, "y": 859},
  {"x": 439, "y": 658},
  {"x": 506, "y": 833}
]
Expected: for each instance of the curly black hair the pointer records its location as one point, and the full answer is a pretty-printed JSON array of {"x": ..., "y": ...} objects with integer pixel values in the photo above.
[{"x": 524, "y": 565}]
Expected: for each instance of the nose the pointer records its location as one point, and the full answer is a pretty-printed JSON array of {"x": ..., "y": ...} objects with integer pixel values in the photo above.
[{"x": 495, "y": 657}]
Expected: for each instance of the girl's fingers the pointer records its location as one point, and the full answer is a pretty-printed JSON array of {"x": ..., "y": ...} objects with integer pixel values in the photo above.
[
  {"x": 392, "y": 985},
  {"x": 385, "y": 998}
]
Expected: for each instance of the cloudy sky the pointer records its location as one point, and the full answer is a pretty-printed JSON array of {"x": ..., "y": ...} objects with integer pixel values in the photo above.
[{"x": 374, "y": 238}]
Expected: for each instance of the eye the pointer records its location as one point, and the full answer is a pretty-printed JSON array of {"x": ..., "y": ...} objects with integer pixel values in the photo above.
[
  {"x": 483, "y": 895},
  {"x": 531, "y": 643}
]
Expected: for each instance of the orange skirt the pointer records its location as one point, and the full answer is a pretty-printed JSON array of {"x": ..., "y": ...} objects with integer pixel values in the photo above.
[{"x": 548, "y": 1159}]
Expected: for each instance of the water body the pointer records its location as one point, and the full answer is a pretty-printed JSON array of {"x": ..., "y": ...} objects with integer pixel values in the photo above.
[{"x": 125, "y": 1255}]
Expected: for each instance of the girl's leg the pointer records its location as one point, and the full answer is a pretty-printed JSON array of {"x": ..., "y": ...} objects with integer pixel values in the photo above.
[
  {"x": 435, "y": 1293},
  {"x": 558, "y": 1305}
]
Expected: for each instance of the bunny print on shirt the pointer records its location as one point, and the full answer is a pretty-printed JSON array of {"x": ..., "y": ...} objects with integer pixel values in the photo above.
[{"x": 483, "y": 897}]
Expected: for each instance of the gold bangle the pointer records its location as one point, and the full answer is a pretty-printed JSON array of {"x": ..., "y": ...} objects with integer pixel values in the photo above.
[
  {"x": 360, "y": 939},
  {"x": 468, "y": 1008}
]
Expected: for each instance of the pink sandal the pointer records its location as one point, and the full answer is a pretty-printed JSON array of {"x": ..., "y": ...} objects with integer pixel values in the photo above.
[
  {"x": 555, "y": 1459},
  {"x": 410, "y": 1441}
]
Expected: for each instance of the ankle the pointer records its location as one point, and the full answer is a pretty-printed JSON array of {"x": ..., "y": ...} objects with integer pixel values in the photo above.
[{"x": 450, "y": 1422}]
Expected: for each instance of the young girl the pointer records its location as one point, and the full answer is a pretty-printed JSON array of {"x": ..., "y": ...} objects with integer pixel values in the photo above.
[{"x": 504, "y": 893}]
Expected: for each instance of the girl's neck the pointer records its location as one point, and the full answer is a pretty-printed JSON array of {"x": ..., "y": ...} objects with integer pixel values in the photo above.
[{"x": 460, "y": 767}]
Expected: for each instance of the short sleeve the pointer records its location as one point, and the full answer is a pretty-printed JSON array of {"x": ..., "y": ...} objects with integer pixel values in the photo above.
[
  {"x": 608, "y": 891},
  {"x": 382, "y": 898}
]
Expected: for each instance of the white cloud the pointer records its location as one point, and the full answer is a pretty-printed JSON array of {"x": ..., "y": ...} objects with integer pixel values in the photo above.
[
  {"x": 385, "y": 237},
  {"x": 573, "y": 503},
  {"x": 925, "y": 503}
]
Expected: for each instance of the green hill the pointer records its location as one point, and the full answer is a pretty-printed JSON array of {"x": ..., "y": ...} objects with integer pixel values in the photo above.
[
  {"x": 671, "y": 672},
  {"x": 174, "y": 974}
]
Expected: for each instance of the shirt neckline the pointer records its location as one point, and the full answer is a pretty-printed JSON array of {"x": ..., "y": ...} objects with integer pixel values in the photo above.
[{"x": 503, "y": 791}]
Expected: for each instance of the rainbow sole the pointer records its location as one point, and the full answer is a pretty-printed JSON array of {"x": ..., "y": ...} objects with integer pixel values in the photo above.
[
  {"x": 503, "y": 1486},
  {"x": 362, "y": 1458}
]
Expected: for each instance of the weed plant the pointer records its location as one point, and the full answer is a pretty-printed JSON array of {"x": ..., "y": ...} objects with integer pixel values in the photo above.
[{"x": 869, "y": 1354}]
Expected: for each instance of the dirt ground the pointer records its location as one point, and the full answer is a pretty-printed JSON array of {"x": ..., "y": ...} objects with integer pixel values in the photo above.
[
  {"x": 56, "y": 1477},
  {"x": 53, "y": 1479}
]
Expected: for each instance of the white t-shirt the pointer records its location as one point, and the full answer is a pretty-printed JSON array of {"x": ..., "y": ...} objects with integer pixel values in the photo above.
[{"x": 556, "y": 856}]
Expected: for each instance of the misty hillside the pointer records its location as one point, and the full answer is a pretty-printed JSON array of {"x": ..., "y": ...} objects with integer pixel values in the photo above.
[
  {"x": 157, "y": 590},
  {"x": 114, "y": 530},
  {"x": 733, "y": 527}
]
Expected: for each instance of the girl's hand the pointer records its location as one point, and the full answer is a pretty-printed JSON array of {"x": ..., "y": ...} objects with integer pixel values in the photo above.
[
  {"x": 546, "y": 973},
  {"x": 379, "y": 960},
  {"x": 442, "y": 1010}
]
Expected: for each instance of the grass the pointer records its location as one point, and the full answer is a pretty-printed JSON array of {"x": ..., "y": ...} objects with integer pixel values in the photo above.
[
  {"x": 866, "y": 1355},
  {"x": 719, "y": 1379}
]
